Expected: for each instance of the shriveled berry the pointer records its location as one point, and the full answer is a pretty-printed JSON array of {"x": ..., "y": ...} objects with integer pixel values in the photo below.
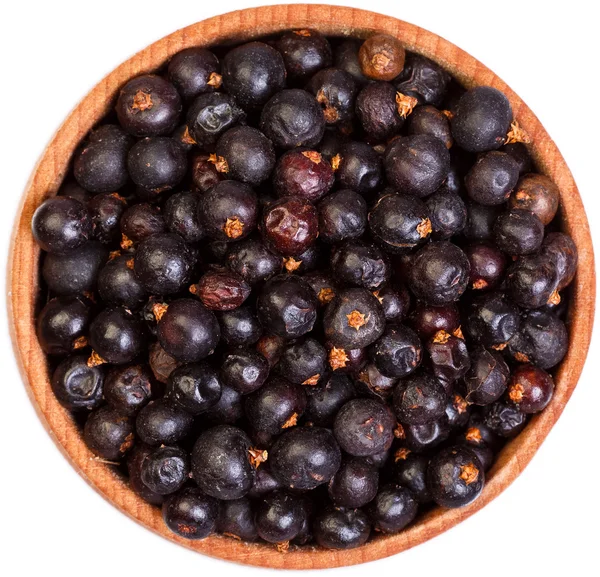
[
  {"x": 424, "y": 79},
  {"x": 487, "y": 378},
  {"x": 209, "y": 116},
  {"x": 378, "y": 111},
  {"x": 504, "y": 419},
  {"x": 76, "y": 385},
  {"x": 398, "y": 352},
  {"x": 538, "y": 194},
  {"x": 165, "y": 470},
  {"x": 141, "y": 221},
  {"x": 194, "y": 387},
  {"x": 222, "y": 290},
  {"x": 303, "y": 173},
  {"x": 492, "y": 319},
  {"x": 128, "y": 389},
  {"x": 106, "y": 210},
  {"x": 358, "y": 167},
  {"x": 360, "y": 264},
  {"x": 381, "y": 57},
  {"x": 341, "y": 528}
]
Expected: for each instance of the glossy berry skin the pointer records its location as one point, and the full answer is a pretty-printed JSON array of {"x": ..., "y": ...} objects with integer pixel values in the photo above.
[
  {"x": 531, "y": 280},
  {"x": 305, "y": 457},
  {"x": 439, "y": 273},
  {"x": 381, "y": 57},
  {"x": 364, "y": 427},
  {"x": 287, "y": 306},
  {"x": 398, "y": 352},
  {"x": 492, "y": 178},
  {"x": 76, "y": 385},
  {"x": 253, "y": 261},
  {"x": 335, "y": 90},
  {"x": 487, "y": 378},
  {"x": 345, "y": 57},
  {"x": 165, "y": 470},
  {"x": 449, "y": 358},
  {"x": 228, "y": 410},
  {"x": 394, "y": 301},
  {"x": 117, "y": 336},
  {"x": 325, "y": 399},
  {"x": 108, "y": 433},
  {"x": 190, "y": 513},
  {"x": 518, "y": 232},
  {"x": 399, "y": 222},
  {"x": 480, "y": 221},
  {"x": 303, "y": 363},
  {"x": 194, "y": 387},
  {"x": 293, "y": 118},
  {"x": 252, "y": 73},
  {"x": 419, "y": 399},
  {"x": 353, "y": 319},
  {"x": 249, "y": 155},
  {"x": 106, "y": 210},
  {"x": 377, "y": 111},
  {"x": 341, "y": 528},
  {"x": 355, "y": 484},
  {"x": 410, "y": 471},
  {"x": 244, "y": 370},
  {"x": 220, "y": 463},
  {"x": 455, "y": 477},
  {"x": 157, "y": 164},
  {"x": 290, "y": 225},
  {"x": 542, "y": 339},
  {"x": 342, "y": 216},
  {"x": 448, "y": 214},
  {"x": 276, "y": 406},
  {"x": 416, "y": 164},
  {"x": 488, "y": 265},
  {"x": 181, "y": 216},
  {"x": 222, "y": 290},
  {"x": 194, "y": 71},
  {"x": 481, "y": 119},
  {"x": 240, "y": 327},
  {"x": 188, "y": 331},
  {"x": 357, "y": 263},
  {"x": 279, "y": 516},
  {"x": 141, "y": 221},
  {"x": 303, "y": 173},
  {"x": 530, "y": 389},
  {"x": 504, "y": 419},
  {"x": 62, "y": 324},
  {"x": 393, "y": 509},
  {"x": 210, "y": 116},
  {"x": 236, "y": 519},
  {"x": 492, "y": 319},
  {"x": 135, "y": 458},
  {"x": 427, "y": 320},
  {"x": 423, "y": 79},
  {"x": 61, "y": 224},
  {"x": 424, "y": 438},
  {"x": 148, "y": 105},
  {"x": 158, "y": 254},
  {"x": 429, "y": 120},
  {"x": 360, "y": 168},
  {"x": 304, "y": 52},
  {"x": 128, "y": 389},
  {"x": 229, "y": 211},
  {"x": 538, "y": 194}
]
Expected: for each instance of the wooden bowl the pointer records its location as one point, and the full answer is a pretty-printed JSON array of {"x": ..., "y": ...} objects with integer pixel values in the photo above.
[{"x": 236, "y": 27}]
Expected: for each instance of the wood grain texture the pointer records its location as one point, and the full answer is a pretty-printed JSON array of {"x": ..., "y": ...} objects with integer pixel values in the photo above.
[{"x": 234, "y": 27}]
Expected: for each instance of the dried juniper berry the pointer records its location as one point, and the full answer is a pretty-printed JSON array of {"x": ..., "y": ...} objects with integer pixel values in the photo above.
[
  {"x": 293, "y": 118},
  {"x": 530, "y": 388},
  {"x": 181, "y": 216},
  {"x": 128, "y": 389},
  {"x": 381, "y": 57},
  {"x": 194, "y": 71},
  {"x": 244, "y": 370},
  {"x": 188, "y": 331},
  {"x": 342, "y": 216},
  {"x": 327, "y": 397},
  {"x": 228, "y": 410},
  {"x": 492, "y": 319},
  {"x": 287, "y": 306},
  {"x": 410, "y": 471},
  {"x": 339, "y": 528},
  {"x": 439, "y": 273},
  {"x": 423, "y": 79},
  {"x": 163, "y": 264},
  {"x": 487, "y": 378},
  {"x": 419, "y": 399},
  {"x": 520, "y": 154},
  {"x": 372, "y": 383},
  {"x": 398, "y": 352},
  {"x": 492, "y": 178},
  {"x": 253, "y": 261},
  {"x": 480, "y": 221},
  {"x": 345, "y": 57},
  {"x": 518, "y": 232},
  {"x": 271, "y": 347},
  {"x": 304, "y": 52},
  {"x": 135, "y": 458},
  {"x": 449, "y": 357},
  {"x": 108, "y": 433},
  {"x": 423, "y": 438},
  {"x": 427, "y": 320},
  {"x": 116, "y": 336},
  {"x": 307, "y": 261},
  {"x": 455, "y": 477},
  {"x": 240, "y": 327},
  {"x": 203, "y": 173},
  {"x": 71, "y": 189},
  {"x": 305, "y": 457},
  {"x": 141, "y": 221},
  {"x": 303, "y": 173},
  {"x": 562, "y": 252},
  {"x": 416, "y": 164},
  {"x": 488, "y": 265},
  {"x": 504, "y": 419},
  {"x": 364, "y": 427},
  {"x": 61, "y": 224},
  {"x": 429, "y": 120},
  {"x": 303, "y": 362},
  {"x": 62, "y": 325},
  {"x": 393, "y": 509},
  {"x": 194, "y": 387},
  {"x": 353, "y": 319},
  {"x": 221, "y": 463},
  {"x": 221, "y": 290},
  {"x": 165, "y": 470},
  {"x": 395, "y": 302},
  {"x": 400, "y": 222},
  {"x": 447, "y": 213},
  {"x": 349, "y": 361},
  {"x": 378, "y": 112},
  {"x": 538, "y": 194},
  {"x": 276, "y": 406},
  {"x": 279, "y": 516},
  {"x": 355, "y": 484},
  {"x": 236, "y": 519},
  {"x": 190, "y": 513},
  {"x": 76, "y": 385},
  {"x": 335, "y": 90},
  {"x": 358, "y": 263},
  {"x": 229, "y": 211},
  {"x": 358, "y": 167},
  {"x": 106, "y": 210},
  {"x": 209, "y": 116},
  {"x": 533, "y": 281},
  {"x": 148, "y": 105}
]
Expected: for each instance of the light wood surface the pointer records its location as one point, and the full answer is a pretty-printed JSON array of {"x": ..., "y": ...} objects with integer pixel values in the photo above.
[{"x": 244, "y": 25}]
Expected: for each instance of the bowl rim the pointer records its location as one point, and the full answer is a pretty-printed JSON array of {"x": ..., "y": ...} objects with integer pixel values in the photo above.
[{"x": 243, "y": 25}]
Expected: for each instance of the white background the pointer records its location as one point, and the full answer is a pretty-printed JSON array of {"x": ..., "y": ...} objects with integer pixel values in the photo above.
[{"x": 51, "y": 522}]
